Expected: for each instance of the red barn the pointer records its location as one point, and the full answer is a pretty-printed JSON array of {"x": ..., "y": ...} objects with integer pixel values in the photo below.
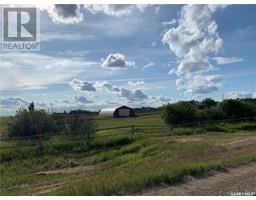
[{"x": 123, "y": 111}]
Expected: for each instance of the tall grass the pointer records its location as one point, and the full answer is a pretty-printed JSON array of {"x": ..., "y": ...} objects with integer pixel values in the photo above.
[{"x": 61, "y": 145}]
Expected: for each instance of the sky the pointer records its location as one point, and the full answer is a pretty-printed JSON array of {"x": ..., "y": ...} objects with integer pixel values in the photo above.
[{"x": 96, "y": 56}]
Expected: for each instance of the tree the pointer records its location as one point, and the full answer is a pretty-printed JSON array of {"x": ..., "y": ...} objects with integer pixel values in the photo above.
[
  {"x": 31, "y": 107},
  {"x": 178, "y": 113},
  {"x": 29, "y": 122},
  {"x": 235, "y": 108},
  {"x": 208, "y": 103}
]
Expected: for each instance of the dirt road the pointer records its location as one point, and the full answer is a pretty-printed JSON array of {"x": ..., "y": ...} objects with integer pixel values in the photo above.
[{"x": 233, "y": 181}]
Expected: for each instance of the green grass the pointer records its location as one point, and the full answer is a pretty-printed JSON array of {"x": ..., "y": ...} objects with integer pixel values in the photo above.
[
  {"x": 118, "y": 163},
  {"x": 3, "y": 125},
  {"x": 153, "y": 119}
]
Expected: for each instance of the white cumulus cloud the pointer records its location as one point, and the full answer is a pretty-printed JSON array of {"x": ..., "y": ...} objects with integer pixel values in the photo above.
[
  {"x": 136, "y": 83},
  {"x": 116, "y": 10},
  {"x": 192, "y": 41},
  {"x": 199, "y": 84},
  {"x": 116, "y": 61},
  {"x": 82, "y": 99},
  {"x": 82, "y": 85},
  {"x": 129, "y": 94},
  {"x": 133, "y": 95},
  {"x": 111, "y": 88},
  {"x": 64, "y": 13}
]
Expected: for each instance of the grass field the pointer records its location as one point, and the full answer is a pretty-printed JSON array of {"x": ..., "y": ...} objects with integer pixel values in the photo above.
[{"x": 116, "y": 162}]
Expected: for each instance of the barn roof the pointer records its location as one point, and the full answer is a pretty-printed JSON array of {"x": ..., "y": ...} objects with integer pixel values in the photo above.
[
  {"x": 124, "y": 107},
  {"x": 107, "y": 111},
  {"x": 114, "y": 108},
  {"x": 110, "y": 111}
]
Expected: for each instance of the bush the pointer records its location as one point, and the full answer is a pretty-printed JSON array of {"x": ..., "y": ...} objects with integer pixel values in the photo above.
[
  {"x": 237, "y": 108},
  {"x": 208, "y": 103},
  {"x": 177, "y": 113},
  {"x": 212, "y": 113},
  {"x": 81, "y": 124},
  {"x": 29, "y": 122}
]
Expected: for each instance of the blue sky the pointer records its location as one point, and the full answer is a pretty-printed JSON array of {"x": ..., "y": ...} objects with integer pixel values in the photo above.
[{"x": 102, "y": 56}]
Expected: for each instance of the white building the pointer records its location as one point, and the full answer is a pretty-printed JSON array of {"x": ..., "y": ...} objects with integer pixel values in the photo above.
[{"x": 123, "y": 111}]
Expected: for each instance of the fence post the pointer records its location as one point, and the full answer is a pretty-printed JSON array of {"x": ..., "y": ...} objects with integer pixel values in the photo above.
[
  {"x": 132, "y": 129},
  {"x": 40, "y": 143}
]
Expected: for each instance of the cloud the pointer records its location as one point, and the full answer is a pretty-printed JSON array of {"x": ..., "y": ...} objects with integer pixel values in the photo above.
[
  {"x": 73, "y": 13},
  {"x": 116, "y": 10},
  {"x": 9, "y": 105},
  {"x": 199, "y": 84},
  {"x": 110, "y": 87},
  {"x": 193, "y": 40},
  {"x": 153, "y": 101},
  {"x": 79, "y": 85},
  {"x": 12, "y": 102},
  {"x": 65, "y": 101},
  {"x": 64, "y": 13},
  {"x": 151, "y": 64},
  {"x": 136, "y": 83},
  {"x": 172, "y": 71},
  {"x": 33, "y": 70},
  {"x": 240, "y": 94},
  {"x": 169, "y": 23},
  {"x": 82, "y": 99},
  {"x": 224, "y": 60},
  {"x": 157, "y": 101},
  {"x": 161, "y": 99},
  {"x": 116, "y": 60},
  {"x": 133, "y": 95},
  {"x": 215, "y": 7}
]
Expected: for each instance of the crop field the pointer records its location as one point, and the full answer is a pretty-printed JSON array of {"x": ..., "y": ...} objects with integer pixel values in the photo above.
[{"x": 120, "y": 161}]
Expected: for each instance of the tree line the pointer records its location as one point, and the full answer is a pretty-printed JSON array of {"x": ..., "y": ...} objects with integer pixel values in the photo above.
[{"x": 192, "y": 111}]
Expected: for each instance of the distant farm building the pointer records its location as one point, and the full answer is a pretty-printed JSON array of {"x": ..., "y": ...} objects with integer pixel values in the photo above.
[{"x": 123, "y": 111}]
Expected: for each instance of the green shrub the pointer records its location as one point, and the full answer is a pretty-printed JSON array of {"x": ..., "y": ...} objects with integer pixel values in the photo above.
[
  {"x": 208, "y": 103},
  {"x": 29, "y": 122},
  {"x": 235, "y": 108},
  {"x": 178, "y": 113},
  {"x": 81, "y": 124},
  {"x": 212, "y": 113}
]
